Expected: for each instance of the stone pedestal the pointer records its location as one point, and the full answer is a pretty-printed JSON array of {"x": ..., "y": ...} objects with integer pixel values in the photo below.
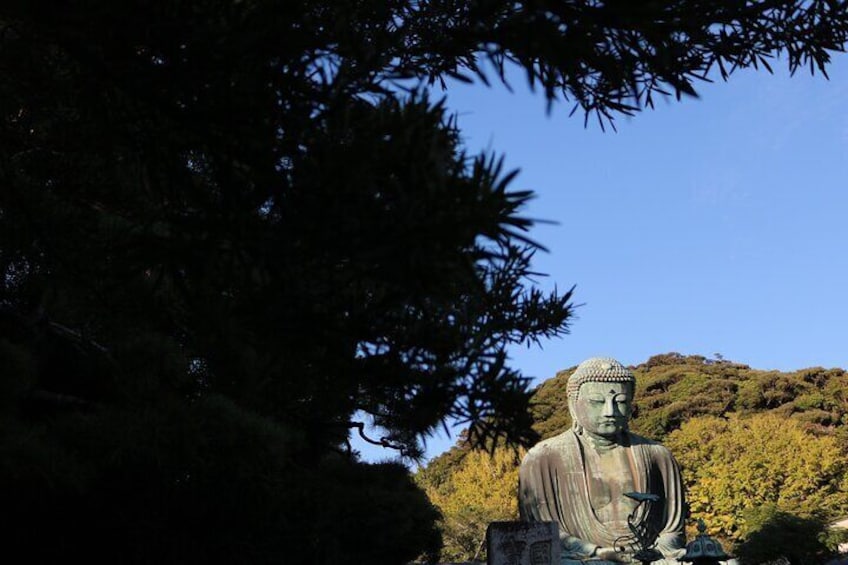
[{"x": 523, "y": 543}]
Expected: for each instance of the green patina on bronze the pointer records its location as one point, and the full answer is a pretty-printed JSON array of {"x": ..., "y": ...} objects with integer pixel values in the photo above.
[{"x": 585, "y": 479}]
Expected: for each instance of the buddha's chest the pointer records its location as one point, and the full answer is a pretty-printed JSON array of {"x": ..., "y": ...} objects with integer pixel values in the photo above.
[{"x": 609, "y": 475}]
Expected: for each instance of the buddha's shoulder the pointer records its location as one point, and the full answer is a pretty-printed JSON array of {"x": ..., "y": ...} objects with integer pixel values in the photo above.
[
  {"x": 636, "y": 439},
  {"x": 551, "y": 449},
  {"x": 649, "y": 444},
  {"x": 550, "y": 445},
  {"x": 560, "y": 443},
  {"x": 569, "y": 436}
]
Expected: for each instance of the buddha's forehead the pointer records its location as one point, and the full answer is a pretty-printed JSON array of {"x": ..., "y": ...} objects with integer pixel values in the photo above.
[{"x": 594, "y": 387}]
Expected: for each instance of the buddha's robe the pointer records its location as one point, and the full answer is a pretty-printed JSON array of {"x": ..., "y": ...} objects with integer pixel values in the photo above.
[{"x": 559, "y": 481}]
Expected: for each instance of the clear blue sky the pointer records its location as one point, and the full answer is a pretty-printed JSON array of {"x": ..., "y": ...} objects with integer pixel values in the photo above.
[{"x": 710, "y": 225}]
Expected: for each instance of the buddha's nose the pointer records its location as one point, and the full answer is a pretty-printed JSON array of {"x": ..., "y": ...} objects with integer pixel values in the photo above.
[{"x": 609, "y": 408}]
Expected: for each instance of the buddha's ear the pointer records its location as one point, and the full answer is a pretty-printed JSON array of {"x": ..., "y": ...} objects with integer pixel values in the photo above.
[
  {"x": 634, "y": 411},
  {"x": 572, "y": 411}
]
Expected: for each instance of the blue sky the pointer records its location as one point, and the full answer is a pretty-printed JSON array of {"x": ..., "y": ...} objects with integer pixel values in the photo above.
[{"x": 710, "y": 225}]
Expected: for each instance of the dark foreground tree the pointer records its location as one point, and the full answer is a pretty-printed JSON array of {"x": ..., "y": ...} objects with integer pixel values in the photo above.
[{"x": 227, "y": 228}]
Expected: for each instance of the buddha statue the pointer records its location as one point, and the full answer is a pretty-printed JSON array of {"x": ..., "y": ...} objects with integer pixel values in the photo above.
[{"x": 610, "y": 491}]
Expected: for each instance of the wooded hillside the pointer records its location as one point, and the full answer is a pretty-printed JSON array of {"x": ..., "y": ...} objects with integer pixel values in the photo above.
[{"x": 757, "y": 447}]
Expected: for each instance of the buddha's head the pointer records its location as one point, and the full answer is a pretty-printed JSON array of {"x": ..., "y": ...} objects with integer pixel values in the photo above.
[{"x": 600, "y": 397}]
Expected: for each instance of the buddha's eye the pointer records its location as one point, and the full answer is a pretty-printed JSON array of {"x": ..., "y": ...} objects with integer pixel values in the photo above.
[{"x": 596, "y": 400}]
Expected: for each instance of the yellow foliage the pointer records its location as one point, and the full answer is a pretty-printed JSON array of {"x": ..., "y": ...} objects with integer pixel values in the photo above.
[
  {"x": 481, "y": 489},
  {"x": 733, "y": 466}
]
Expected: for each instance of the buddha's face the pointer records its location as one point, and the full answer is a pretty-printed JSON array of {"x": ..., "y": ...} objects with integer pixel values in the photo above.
[{"x": 602, "y": 409}]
